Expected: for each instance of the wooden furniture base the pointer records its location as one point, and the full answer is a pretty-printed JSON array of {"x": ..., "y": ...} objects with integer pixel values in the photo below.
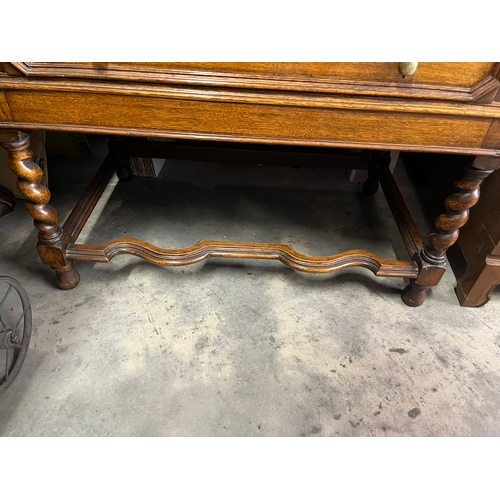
[
  {"x": 58, "y": 248},
  {"x": 437, "y": 107}
]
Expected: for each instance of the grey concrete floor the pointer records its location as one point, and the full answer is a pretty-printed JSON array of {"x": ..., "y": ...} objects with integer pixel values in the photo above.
[{"x": 242, "y": 348}]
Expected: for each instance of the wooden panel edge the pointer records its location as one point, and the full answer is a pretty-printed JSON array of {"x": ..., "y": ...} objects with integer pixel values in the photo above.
[
  {"x": 5, "y": 112},
  {"x": 11, "y": 69},
  {"x": 485, "y": 91},
  {"x": 249, "y": 96},
  {"x": 23, "y": 68},
  {"x": 495, "y": 71},
  {"x": 492, "y": 137},
  {"x": 125, "y": 131},
  {"x": 268, "y": 82}
]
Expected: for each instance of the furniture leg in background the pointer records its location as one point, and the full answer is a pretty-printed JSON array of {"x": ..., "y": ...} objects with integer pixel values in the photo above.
[
  {"x": 480, "y": 246},
  {"x": 58, "y": 249},
  {"x": 432, "y": 263}
]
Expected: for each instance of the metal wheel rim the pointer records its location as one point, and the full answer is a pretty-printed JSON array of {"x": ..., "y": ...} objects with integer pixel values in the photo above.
[{"x": 19, "y": 352}]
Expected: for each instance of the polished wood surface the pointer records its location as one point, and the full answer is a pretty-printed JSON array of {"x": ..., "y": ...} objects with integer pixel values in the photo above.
[
  {"x": 270, "y": 123},
  {"x": 351, "y": 105},
  {"x": 448, "y": 81},
  {"x": 443, "y": 107}
]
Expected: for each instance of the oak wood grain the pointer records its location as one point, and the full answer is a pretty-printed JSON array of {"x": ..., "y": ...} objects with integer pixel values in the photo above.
[
  {"x": 207, "y": 93},
  {"x": 235, "y": 121}
]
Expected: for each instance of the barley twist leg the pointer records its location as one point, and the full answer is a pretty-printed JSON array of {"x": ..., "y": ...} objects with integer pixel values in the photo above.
[
  {"x": 457, "y": 205},
  {"x": 52, "y": 242}
]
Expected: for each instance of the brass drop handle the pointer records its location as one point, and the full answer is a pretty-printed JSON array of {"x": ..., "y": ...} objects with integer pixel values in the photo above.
[{"x": 407, "y": 68}]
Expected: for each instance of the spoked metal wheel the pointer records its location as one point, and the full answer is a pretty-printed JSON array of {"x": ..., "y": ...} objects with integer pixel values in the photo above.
[{"x": 15, "y": 329}]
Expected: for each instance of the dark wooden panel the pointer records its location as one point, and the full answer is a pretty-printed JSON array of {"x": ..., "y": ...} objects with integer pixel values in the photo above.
[
  {"x": 482, "y": 234},
  {"x": 254, "y": 154},
  {"x": 453, "y": 74},
  {"x": 480, "y": 244}
]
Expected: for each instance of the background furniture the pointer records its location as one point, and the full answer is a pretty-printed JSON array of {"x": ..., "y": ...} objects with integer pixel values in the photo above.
[
  {"x": 474, "y": 259},
  {"x": 480, "y": 245}
]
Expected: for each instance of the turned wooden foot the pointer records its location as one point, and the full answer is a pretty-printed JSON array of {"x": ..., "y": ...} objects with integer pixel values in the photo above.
[
  {"x": 414, "y": 295},
  {"x": 67, "y": 277}
]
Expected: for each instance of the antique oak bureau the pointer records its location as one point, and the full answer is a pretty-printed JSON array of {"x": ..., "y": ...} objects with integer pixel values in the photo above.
[{"x": 382, "y": 107}]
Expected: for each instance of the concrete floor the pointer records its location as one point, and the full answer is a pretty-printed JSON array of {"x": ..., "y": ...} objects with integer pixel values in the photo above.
[{"x": 242, "y": 348}]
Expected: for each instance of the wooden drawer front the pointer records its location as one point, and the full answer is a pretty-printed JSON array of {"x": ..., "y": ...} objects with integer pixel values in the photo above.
[
  {"x": 450, "y": 74},
  {"x": 445, "y": 81},
  {"x": 162, "y": 117}
]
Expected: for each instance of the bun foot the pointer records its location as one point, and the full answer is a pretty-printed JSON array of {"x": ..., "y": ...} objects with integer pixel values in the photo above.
[
  {"x": 414, "y": 295},
  {"x": 67, "y": 277}
]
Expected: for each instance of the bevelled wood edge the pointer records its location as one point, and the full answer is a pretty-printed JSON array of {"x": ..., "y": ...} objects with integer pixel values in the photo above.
[
  {"x": 246, "y": 96},
  {"x": 205, "y": 249},
  {"x": 23, "y": 68},
  {"x": 263, "y": 82},
  {"x": 495, "y": 72},
  {"x": 5, "y": 112},
  {"x": 245, "y": 139},
  {"x": 492, "y": 138},
  {"x": 11, "y": 69}
]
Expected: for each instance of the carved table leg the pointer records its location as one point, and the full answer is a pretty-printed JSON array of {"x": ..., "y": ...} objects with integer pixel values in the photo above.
[
  {"x": 432, "y": 262},
  {"x": 52, "y": 242}
]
